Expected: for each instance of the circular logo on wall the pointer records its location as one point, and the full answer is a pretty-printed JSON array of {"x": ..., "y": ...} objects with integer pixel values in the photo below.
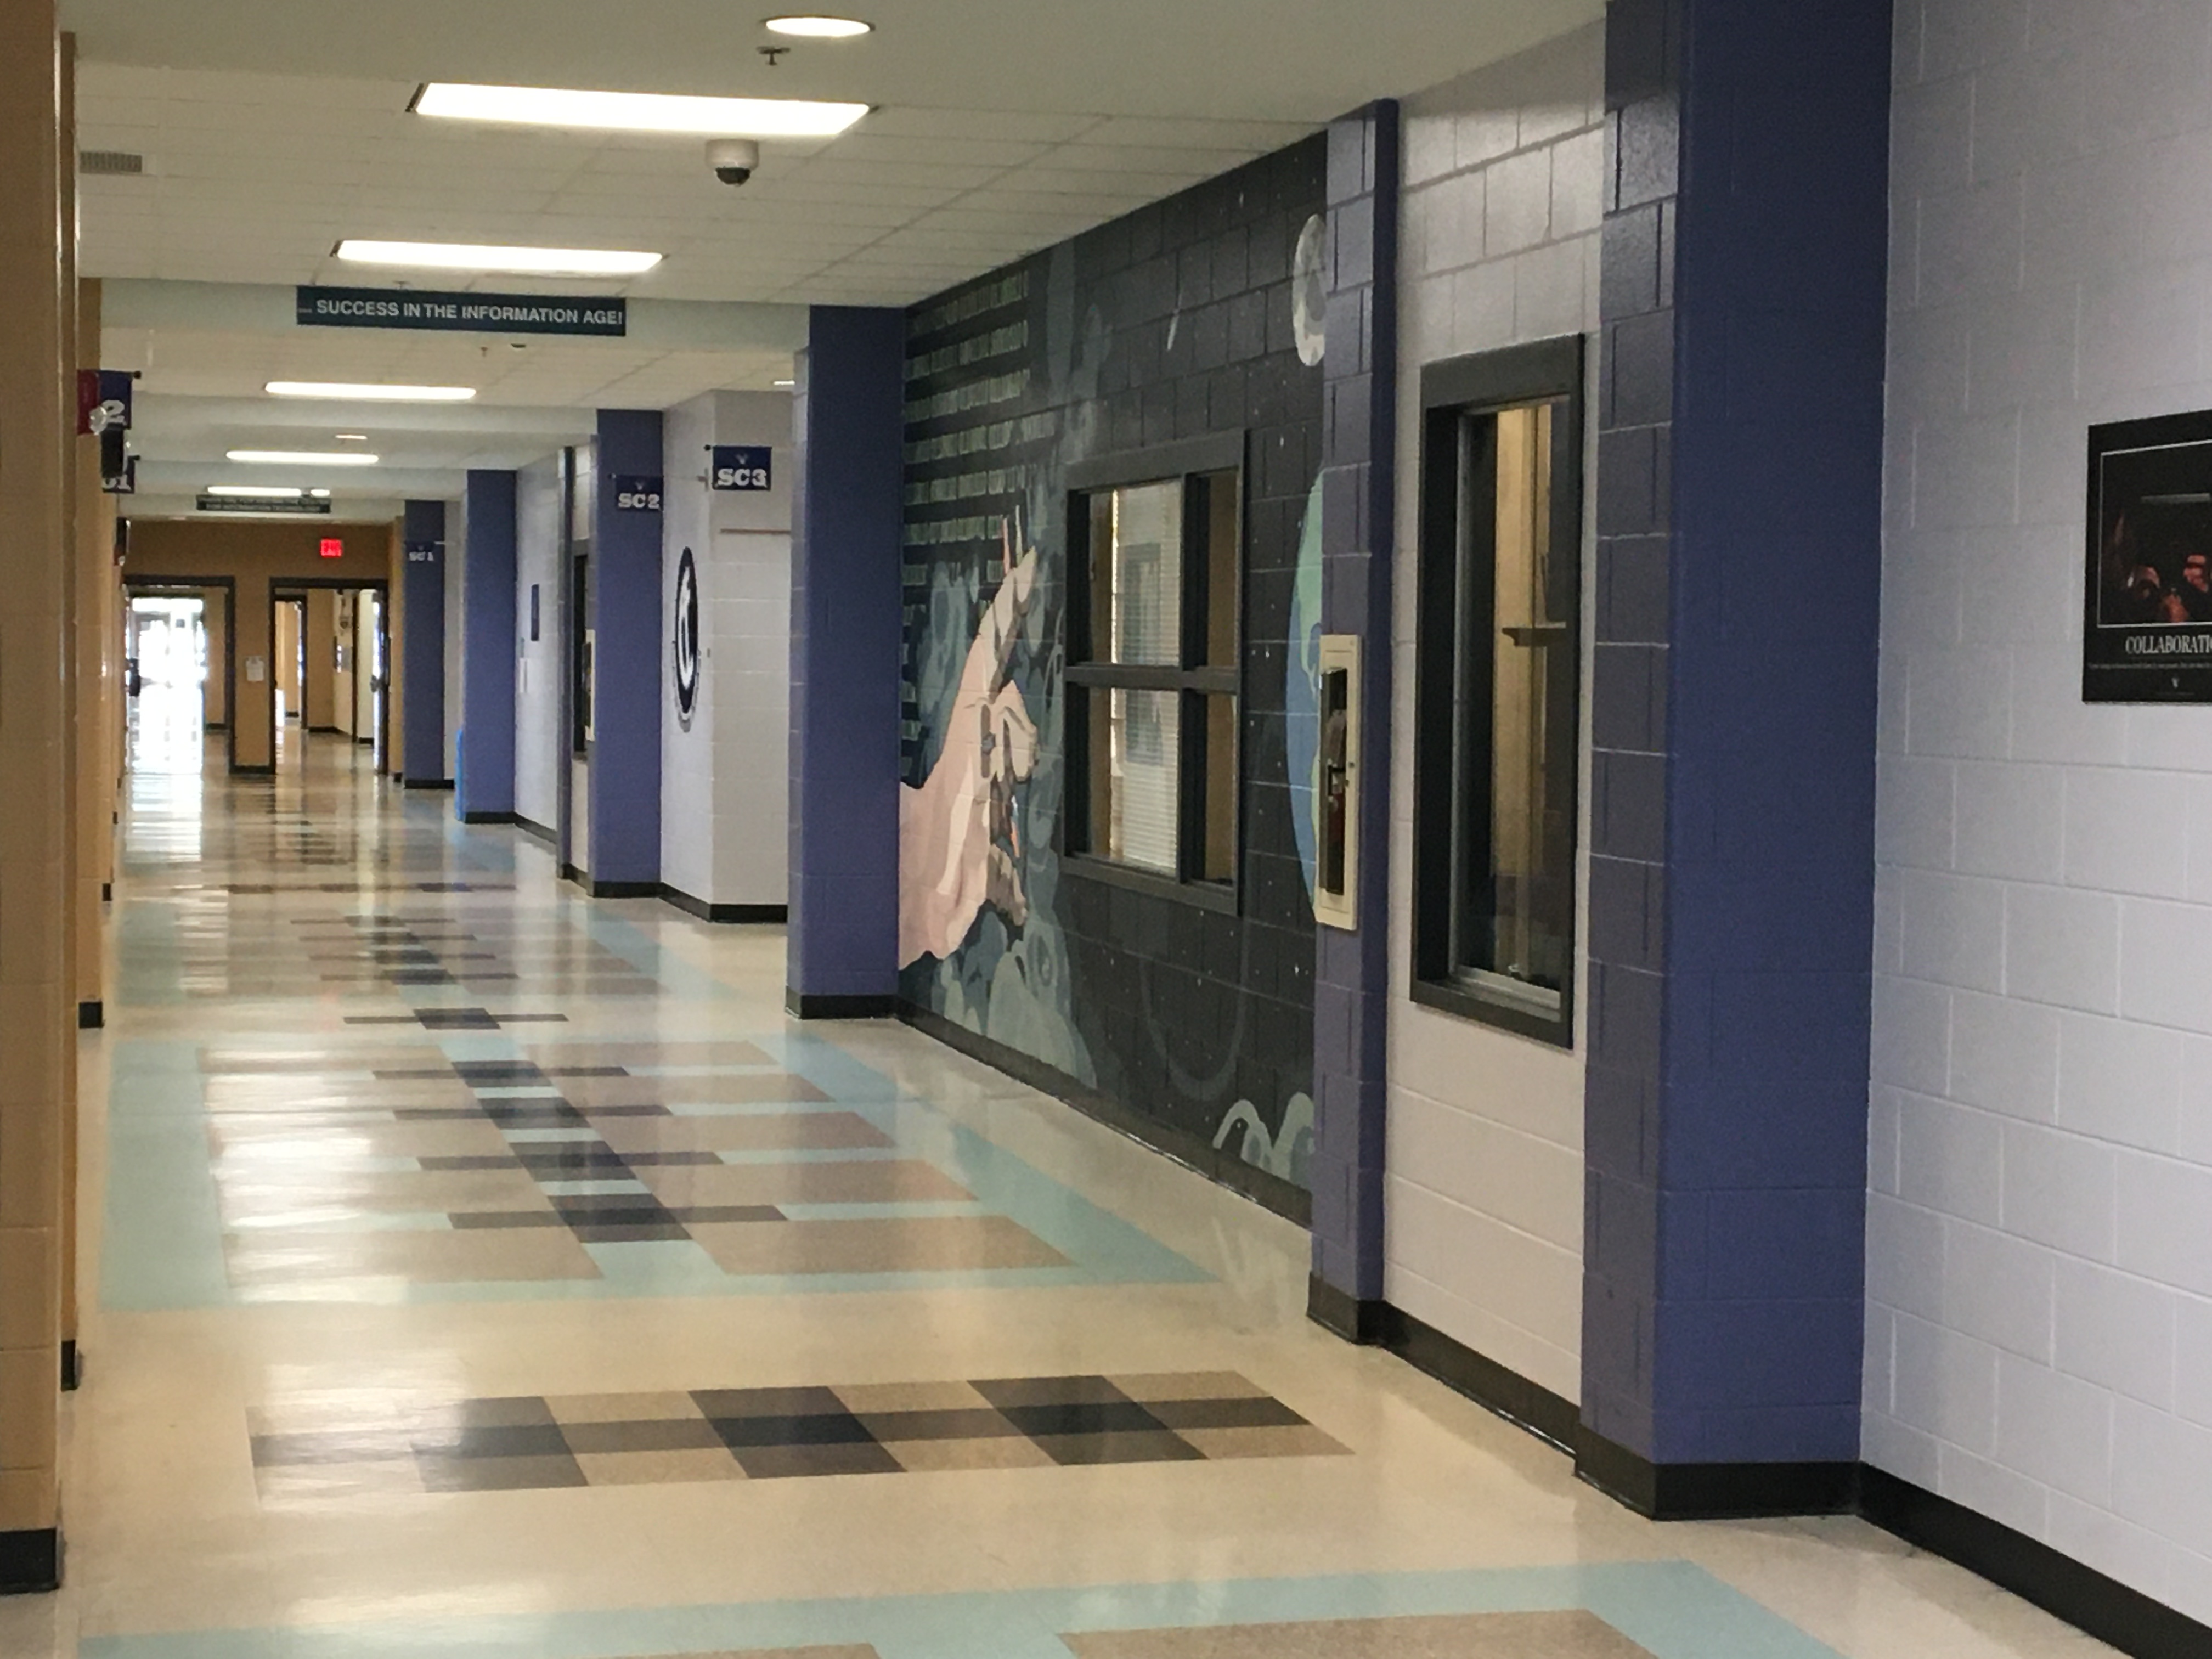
[{"x": 687, "y": 638}]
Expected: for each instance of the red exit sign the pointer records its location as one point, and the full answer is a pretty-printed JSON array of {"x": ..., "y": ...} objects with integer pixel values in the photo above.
[{"x": 333, "y": 548}]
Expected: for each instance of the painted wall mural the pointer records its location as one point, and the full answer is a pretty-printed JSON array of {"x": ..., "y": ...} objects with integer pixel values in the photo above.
[{"x": 1194, "y": 316}]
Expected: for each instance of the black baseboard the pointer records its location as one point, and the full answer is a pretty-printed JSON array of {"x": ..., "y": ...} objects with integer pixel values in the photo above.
[
  {"x": 91, "y": 1016},
  {"x": 217, "y": 726},
  {"x": 536, "y": 831},
  {"x": 1526, "y": 1404},
  {"x": 268, "y": 771},
  {"x": 625, "y": 889},
  {"x": 107, "y": 892},
  {"x": 426, "y": 783},
  {"x": 570, "y": 873},
  {"x": 30, "y": 1561},
  {"x": 1713, "y": 1491},
  {"x": 2060, "y": 1585},
  {"x": 723, "y": 912},
  {"x": 804, "y": 1007},
  {"x": 1224, "y": 1168},
  {"x": 1343, "y": 1313},
  {"x": 488, "y": 817},
  {"x": 332, "y": 730},
  {"x": 72, "y": 1367}
]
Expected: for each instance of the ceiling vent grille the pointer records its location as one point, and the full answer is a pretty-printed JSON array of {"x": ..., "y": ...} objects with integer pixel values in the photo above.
[{"x": 111, "y": 162}]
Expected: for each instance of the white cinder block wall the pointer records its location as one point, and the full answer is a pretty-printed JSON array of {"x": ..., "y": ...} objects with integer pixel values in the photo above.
[
  {"x": 724, "y": 794},
  {"x": 540, "y": 748},
  {"x": 1505, "y": 177},
  {"x": 2040, "y": 1249}
]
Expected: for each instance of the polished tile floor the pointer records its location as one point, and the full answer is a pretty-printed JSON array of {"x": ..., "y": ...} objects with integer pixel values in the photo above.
[{"x": 471, "y": 1268}]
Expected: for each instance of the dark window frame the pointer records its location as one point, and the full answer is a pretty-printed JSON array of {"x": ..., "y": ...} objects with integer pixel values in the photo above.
[
  {"x": 1455, "y": 577},
  {"x": 1189, "y": 459}
]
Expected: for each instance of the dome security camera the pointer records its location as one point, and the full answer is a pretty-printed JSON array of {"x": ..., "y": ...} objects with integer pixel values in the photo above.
[{"x": 733, "y": 160}]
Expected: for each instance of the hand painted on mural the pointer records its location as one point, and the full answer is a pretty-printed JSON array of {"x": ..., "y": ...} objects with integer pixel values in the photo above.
[{"x": 959, "y": 834}]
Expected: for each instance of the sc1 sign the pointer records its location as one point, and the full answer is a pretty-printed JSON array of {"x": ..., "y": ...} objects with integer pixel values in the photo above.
[
  {"x": 741, "y": 467},
  {"x": 637, "y": 494}
]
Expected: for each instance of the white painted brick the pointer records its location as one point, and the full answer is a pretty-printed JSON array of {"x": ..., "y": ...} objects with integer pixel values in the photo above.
[
  {"x": 2164, "y": 1230},
  {"x": 1928, "y": 360},
  {"x": 1885, "y": 1109},
  {"x": 2192, "y": 1135},
  {"x": 1517, "y": 205},
  {"x": 1482, "y": 308},
  {"x": 2004, "y": 1056},
  {"x": 2141, "y": 328},
  {"x": 1931, "y": 133},
  {"x": 2119, "y": 1331},
  {"x": 1878, "y": 1361},
  {"x": 2010, "y": 820},
  {"x": 1954, "y": 930},
  {"x": 1914, "y": 824},
  {"x": 2059, "y": 1190},
  {"x": 1906, "y": 1452},
  {"x": 2192, "y": 1358},
  {"x": 1578, "y": 183},
  {"x": 2062, "y": 947},
  {"x": 2120, "y": 1549},
  {"x": 1971, "y": 242},
  {"x": 1947, "y": 1385},
  {"x": 1912, "y": 1034},
  {"x": 1429, "y": 146},
  {"x": 1905, "y": 1254},
  {"x": 1958, "y": 37},
  {"x": 1993, "y": 1490},
  {"x": 1547, "y": 291},
  {"x": 1966, "y": 473},
  {"x": 1449, "y": 216},
  {"x": 2166, "y": 964},
  {"x": 2120, "y": 1081},
  {"x": 2020, "y": 584},
  {"x": 1959, "y": 704},
  {"x": 1950, "y": 1158},
  {"x": 2049, "y": 720},
  {"x": 2162, "y": 1474},
  {"x": 1998, "y": 1288},
  {"x": 2054, "y": 1429},
  {"x": 2027, "y": 115}
]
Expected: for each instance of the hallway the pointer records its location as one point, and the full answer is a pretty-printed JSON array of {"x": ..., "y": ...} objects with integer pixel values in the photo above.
[{"x": 482, "y": 1270}]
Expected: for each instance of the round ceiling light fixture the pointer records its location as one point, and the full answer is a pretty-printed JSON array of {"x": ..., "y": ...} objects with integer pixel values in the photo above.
[{"x": 819, "y": 28}]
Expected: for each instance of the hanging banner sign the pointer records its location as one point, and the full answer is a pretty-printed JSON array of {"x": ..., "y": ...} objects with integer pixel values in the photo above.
[
  {"x": 103, "y": 401},
  {"x": 636, "y": 493},
  {"x": 460, "y": 313},
  {"x": 251, "y": 504},
  {"x": 424, "y": 552},
  {"x": 740, "y": 466},
  {"x": 125, "y": 483}
]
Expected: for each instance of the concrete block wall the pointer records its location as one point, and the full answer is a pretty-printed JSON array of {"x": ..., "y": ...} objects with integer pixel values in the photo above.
[
  {"x": 541, "y": 746},
  {"x": 1504, "y": 185},
  {"x": 2039, "y": 1272}
]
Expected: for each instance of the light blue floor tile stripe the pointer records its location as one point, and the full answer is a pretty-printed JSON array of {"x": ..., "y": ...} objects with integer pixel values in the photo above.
[{"x": 1674, "y": 1610}]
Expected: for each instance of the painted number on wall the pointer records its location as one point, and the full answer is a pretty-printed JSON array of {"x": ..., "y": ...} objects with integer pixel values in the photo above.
[
  {"x": 637, "y": 494},
  {"x": 742, "y": 466}
]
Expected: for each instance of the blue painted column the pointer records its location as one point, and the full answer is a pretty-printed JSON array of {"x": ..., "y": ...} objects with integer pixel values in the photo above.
[
  {"x": 627, "y": 691},
  {"x": 423, "y": 738},
  {"x": 488, "y": 650},
  {"x": 842, "y": 955},
  {"x": 1352, "y": 981},
  {"x": 1731, "y": 896}
]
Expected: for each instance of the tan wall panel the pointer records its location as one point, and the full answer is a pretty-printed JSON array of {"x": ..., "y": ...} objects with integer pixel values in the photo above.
[
  {"x": 36, "y": 1006},
  {"x": 320, "y": 693},
  {"x": 215, "y": 617}
]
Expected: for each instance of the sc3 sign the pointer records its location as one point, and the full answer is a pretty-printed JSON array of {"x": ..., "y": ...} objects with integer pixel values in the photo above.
[
  {"x": 742, "y": 466},
  {"x": 637, "y": 494}
]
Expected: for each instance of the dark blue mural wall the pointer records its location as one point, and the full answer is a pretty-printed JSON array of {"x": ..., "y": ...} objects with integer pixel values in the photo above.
[{"x": 1198, "y": 316}]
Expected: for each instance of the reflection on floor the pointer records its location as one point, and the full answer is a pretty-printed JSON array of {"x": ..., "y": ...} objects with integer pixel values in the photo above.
[{"x": 473, "y": 1262}]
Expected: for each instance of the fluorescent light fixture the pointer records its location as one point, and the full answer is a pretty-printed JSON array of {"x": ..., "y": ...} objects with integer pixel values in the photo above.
[
  {"x": 350, "y": 437},
  {"x": 257, "y": 492},
  {"x": 783, "y": 386},
  {"x": 320, "y": 494},
  {"x": 818, "y": 28},
  {"x": 523, "y": 261},
  {"x": 639, "y": 111},
  {"x": 349, "y": 392},
  {"x": 302, "y": 458}
]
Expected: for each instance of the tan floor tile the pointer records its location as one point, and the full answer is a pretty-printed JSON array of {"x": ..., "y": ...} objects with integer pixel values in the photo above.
[
  {"x": 732, "y": 1088},
  {"x": 1290, "y": 1440},
  {"x": 657, "y": 1467},
  {"x": 621, "y": 1408},
  {"x": 1187, "y": 1385},
  {"x": 863, "y": 1397},
  {"x": 291, "y": 1483},
  {"x": 856, "y": 1180},
  {"x": 745, "y": 1131},
  {"x": 1574, "y": 1635},
  {"x": 1013, "y": 1451},
  {"x": 245, "y": 1193},
  {"x": 428, "y": 1256},
  {"x": 904, "y": 1245},
  {"x": 675, "y": 1052},
  {"x": 459, "y": 1138}
]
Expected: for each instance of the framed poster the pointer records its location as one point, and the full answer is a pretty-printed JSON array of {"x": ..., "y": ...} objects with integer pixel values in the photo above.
[{"x": 2146, "y": 630}]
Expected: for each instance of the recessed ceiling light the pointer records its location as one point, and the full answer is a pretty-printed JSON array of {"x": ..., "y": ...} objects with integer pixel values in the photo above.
[
  {"x": 639, "y": 111},
  {"x": 783, "y": 386},
  {"x": 320, "y": 494},
  {"x": 353, "y": 392},
  {"x": 302, "y": 457},
  {"x": 256, "y": 492},
  {"x": 472, "y": 256},
  {"x": 819, "y": 28},
  {"x": 350, "y": 437}
]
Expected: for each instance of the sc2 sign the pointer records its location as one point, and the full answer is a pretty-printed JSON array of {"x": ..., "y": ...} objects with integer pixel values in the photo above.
[
  {"x": 741, "y": 467},
  {"x": 637, "y": 494}
]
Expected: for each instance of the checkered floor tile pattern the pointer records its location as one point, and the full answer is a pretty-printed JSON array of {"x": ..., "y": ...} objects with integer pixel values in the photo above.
[{"x": 763, "y": 1434}]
